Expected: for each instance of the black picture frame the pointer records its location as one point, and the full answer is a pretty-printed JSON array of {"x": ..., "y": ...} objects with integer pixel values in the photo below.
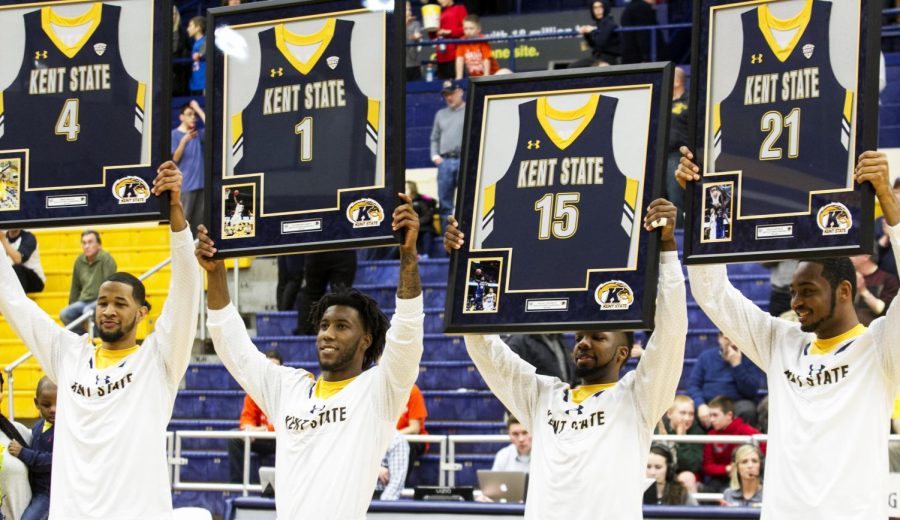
[
  {"x": 647, "y": 86},
  {"x": 328, "y": 228},
  {"x": 792, "y": 234},
  {"x": 109, "y": 192}
]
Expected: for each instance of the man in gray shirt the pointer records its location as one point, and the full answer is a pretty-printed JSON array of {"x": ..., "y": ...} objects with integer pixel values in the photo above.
[{"x": 446, "y": 142}]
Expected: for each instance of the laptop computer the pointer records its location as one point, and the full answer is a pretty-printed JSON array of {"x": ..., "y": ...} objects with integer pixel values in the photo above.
[{"x": 503, "y": 486}]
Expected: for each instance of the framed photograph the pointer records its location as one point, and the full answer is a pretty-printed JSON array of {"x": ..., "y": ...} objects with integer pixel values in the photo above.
[
  {"x": 84, "y": 110},
  {"x": 784, "y": 99},
  {"x": 305, "y": 100},
  {"x": 557, "y": 170}
]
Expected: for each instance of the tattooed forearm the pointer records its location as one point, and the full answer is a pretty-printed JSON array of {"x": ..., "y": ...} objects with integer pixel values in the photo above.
[{"x": 410, "y": 284}]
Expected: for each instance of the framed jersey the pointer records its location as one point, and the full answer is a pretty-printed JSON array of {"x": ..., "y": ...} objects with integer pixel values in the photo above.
[
  {"x": 84, "y": 118},
  {"x": 557, "y": 169},
  {"x": 299, "y": 91},
  {"x": 786, "y": 97}
]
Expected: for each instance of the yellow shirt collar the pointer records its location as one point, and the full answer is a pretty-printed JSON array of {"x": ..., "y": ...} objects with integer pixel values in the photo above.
[
  {"x": 580, "y": 393},
  {"x": 326, "y": 389},
  {"x": 106, "y": 358},
  {"x": 826, "y": 345}
]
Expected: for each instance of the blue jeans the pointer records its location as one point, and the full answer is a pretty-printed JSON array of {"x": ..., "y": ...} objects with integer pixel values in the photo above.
[
  {"x": 38, "y": 509},
  {"x": 74, "y": 311},
  {"x": 448, "y": 170}
]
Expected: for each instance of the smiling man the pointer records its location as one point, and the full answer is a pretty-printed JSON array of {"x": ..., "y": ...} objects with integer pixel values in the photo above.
[
  {"x": 591, "y": 442},
  {"x": 115, "y": 400},
  {"x": 331, "y": 433},
  {"x": 832, "y": 381}
]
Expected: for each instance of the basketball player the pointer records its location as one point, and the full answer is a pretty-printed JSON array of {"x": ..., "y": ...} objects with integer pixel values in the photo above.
[
  {"x": 332, "y": 433},
  {"x": 115, "y": 400},
  {"x": 832, "y": 382},
  {"x": 591, "y": 442}
]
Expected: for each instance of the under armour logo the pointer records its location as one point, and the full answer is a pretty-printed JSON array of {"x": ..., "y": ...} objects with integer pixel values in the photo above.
[
  {"x": 316, "y": 408},
  {"x": 276, "y": 72},
  {"x": 105, "y": 380},
  {"x": 812, "y": 368},
  {"x": 40, "y": 55},
  {"x": 756, "y": 58},
  {"x": 534, "y": 144},
  {"x": 575, "y": 411}
]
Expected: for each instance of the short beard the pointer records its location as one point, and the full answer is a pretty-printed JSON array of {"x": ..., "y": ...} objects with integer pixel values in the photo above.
[
  {"x": 115, "y": 335},
  {"x": 583, "y": 373},
  {"x": 341, "y": 362},
  {"x": 811, "y": 327}
]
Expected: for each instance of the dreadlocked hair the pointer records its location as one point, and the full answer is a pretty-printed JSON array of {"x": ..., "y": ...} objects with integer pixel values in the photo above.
[
  {"x": 375, "y": 322},
  {"x": 836, "y": 270}
]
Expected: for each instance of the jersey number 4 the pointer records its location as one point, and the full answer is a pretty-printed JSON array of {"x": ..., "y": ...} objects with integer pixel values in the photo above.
[
  {"x": 774, "y": 123},
  {"x": 558, "y": 215},
  {"x": 67, "y": 123}
]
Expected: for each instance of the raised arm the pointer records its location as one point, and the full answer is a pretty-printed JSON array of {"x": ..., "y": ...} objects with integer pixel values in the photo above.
[
  {"x": 404, "y": 343},
  {"x": 659, "y": 370},
  {"x": 177, "y": 324},
  {"x": 258, "y": 376},
  {"x": 749, "y": 327}
]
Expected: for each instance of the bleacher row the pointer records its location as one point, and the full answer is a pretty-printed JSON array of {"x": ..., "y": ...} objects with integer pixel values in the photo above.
[{"x": 457, "y": 398}]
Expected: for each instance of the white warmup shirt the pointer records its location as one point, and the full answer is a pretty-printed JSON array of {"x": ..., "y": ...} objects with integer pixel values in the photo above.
[
  {"x": 588, "y": 460},
  {"x": 829, "y": 409},
  {"x": 109, "y": 458},
  {"x": 328, "y": 450}
]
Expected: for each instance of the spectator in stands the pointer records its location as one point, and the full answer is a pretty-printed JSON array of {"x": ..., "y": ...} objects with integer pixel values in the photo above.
[
  {"x": 412, "y": 422},
  {"x": 762, "y": 415},
  {"x": 446, "y": 143},
  {"x": 118, "y": 396},
  {"x": 603, "y": 37},
  {"x": 196, "y": 30},
  {"x": 886, "y": 260},
  {"x": 187, "y": 152},
  {"x": 717, "y": 460},
  {"x": 39, "y": 456},
  {"x": 474, "y": 59},
  {"x": 679, "y": 420},
  {"x": 667, "y": 490},
  {"x": 253, "y": 419},
  {"x": 516, "y": 456},
  {"x": 746, "y": 474},
  {"x": 13, "y": 472},
  {"x": 290, "y": 281},
  {"x": 780, "y": 277},
  {"x": 636, "y": 44},
  {"x": 724, "y": 371},
  {"x": 547, "y": 353},
  {"x": 831, "y": 380},
  {"x": 451, "y": 28},
  {"x": 180, "y": 71},
  {"x": 92, "y": 267},
  {"x": 332, "y": 433},
  {"x": 875, "y": 289},
  {"x": 336, "y": 269},
  {"x": 678, "y": 136},
  {"x": 393, "y": 470},
  {"x": 413, "y": 34},
  {"x": 426, "y": 208},
  {"x": 605, "y": 418},
  {"x": 22, "y": 249}
]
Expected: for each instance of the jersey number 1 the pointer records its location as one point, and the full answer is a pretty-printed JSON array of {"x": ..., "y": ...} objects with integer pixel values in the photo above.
[
  {"x": 304, "y": 130},
  {"x": 67, "y": 124},
  {"x": 773, "y": 122},
  {"x": 558, "y": 215}
]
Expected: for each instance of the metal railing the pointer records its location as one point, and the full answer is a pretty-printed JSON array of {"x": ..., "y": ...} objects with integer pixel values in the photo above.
[{"x": 88, "y": 313}]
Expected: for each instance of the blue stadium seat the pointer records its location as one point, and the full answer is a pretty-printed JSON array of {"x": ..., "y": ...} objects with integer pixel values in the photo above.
[
  {"x": 212, "y": 501},
  {"x": 282, "y": 323},
  {"x": 463, "y": 405},
  {"x": 449, "y": 375}
]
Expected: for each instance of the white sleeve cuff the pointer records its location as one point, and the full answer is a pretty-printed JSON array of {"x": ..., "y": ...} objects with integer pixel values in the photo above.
[
  {"x": 183, "y": 237},
  {"x": 411, "y": 307}
]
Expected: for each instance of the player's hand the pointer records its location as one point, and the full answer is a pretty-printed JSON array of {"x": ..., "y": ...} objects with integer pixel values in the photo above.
[
  {"x": 384, "y": 476},
  {"x": 168, "y": 178},
  {"x": 204, "y": 251},
  {"x": 14, "y": 448},
  {"x": 687, "y": 171},
  {"x": 662, "y": 213},
  {"x": 703, "y": 415},
  {"x": 405, "y": 217},
  {"x": 453, "y": 237},
  {"x": 872, "y": 167}
]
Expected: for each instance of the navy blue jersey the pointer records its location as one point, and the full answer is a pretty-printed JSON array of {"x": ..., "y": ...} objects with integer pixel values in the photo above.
[
  {"x": 786, "y": 124},
  {"x": 309, "y": 129},
  {"x": 563, "y": 206},
  {"x": 75, "y": 108}
]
